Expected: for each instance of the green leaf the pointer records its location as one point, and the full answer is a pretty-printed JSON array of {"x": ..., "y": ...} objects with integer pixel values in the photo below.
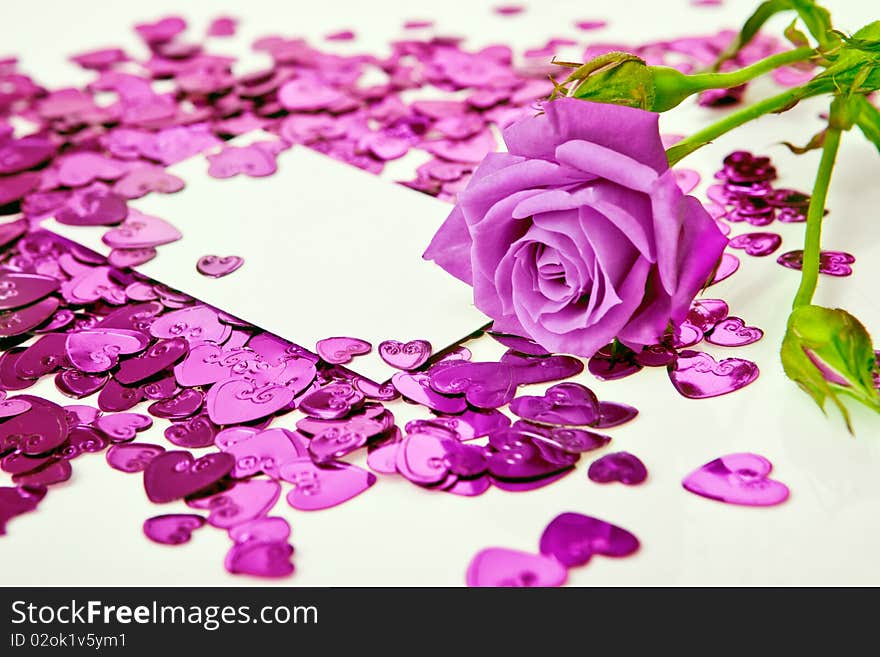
[
  {"x": 828, "y": 353},
  {"x": 818, "y": 21},
  {"x": 816, "y": 141},
  {"x": 618, "y": 78},
  {"x": 867, "y": 117},
  {"x": 795, "y": 36},
  {"x": 750, "y": 28}
]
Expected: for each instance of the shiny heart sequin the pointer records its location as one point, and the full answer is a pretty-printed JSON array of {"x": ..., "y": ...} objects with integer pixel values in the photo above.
[
  {"x": 504, "y": 567},
  {"x": 17, "y": 290},
  {"x": 243, "y": 502},
  {"x": 738, "y": 479},
  {"x": 174, "y": 475},
  {"x": 265, "y": 451},
  {"x": 732, "y": 332},
  {"x": 620, "y": 466},
  {"x": 832, "y": 263},
  {"x": 141, "y": 231},
  {"x": 341, "y": 350},
  {"x": 260, "y": 559},
  {"x": 121, "y": 427},
  {"x": 564, "y": 403},
  {"x": 234, "y": 400},
  {"x": 757, "y": 244},
  {"x": 172, "y": 529},
  {"x": 573, "y": 539},
  {"x": 405, "y": 356},
  {"x": 696, "y": 375},
  {"x": 217, "y": 266},
  {"x": 132, "y": 457},
  {"x": 323, "y": 487},
  {"x": 98, "y": 350}
]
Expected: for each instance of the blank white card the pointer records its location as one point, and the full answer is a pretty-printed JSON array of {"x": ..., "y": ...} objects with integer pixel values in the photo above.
[{"x": 328, "y": 250}]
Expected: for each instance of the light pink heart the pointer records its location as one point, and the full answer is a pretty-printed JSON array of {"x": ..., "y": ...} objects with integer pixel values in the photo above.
[
  {"x": 140, "y": 231},
  {"x": 317, "y": 488},
  {"x": 732, "y": 332},
  {"x": 243, "y": 502},
  {"x": 504, "y": 567},
  {"x": 235, "y": 400},
  {"x": 99, "y": 350},
  {"x": 738, "y": 479}
]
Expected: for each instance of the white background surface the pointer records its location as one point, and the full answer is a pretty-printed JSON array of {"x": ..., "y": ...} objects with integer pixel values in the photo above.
[{"x": 88, "y": 530}]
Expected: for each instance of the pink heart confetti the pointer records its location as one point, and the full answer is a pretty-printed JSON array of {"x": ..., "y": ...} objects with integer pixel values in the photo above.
[{"x": 738, "y": 479}]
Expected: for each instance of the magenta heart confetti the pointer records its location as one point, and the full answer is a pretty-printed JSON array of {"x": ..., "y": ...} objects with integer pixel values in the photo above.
[
  {"x": 172, "y": 529},
  {"x": 504, "y": 567},
  {"x": 573, "y": 539},
  {"x": 732, "y": 332},
  {"x": 738, "y": 479},
  {"x": 620, "y": 466},
  {"x": 405, "y": 356},
  {"x": 757, "y": 244},
  {"x": 217, "y": 266},
  {"x": 832, "y": 263},
  {"x": 697, "y": 375}
]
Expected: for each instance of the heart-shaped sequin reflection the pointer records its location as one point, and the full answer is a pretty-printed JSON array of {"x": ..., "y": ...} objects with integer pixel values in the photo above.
[
  {"x": 175, "y": 475},
  {"x": 260, "y": 559},
  {"x": 738, "y": 479},
  {"x": 172, "y": 529},
  {"x": 562, "y": 404},
  {"x": 832, "y": 263},
  {"x": 696, "y": 375},
  {"x": 573, "y": 538},
  {"x": 132, "y": 457},
  {"x": 757, "y": 244},
  {"x": 512, "y": 568},
  {"x": 341, "y": 350},
  {"x": 217, "y": 266},
  {"x": 323, "y": 487},
  {"x": 245, "y": 501},
  {"x": 732, "y": 332},
  {"x": 620, "y": 466},
  {"x": 405, "y": 355}
]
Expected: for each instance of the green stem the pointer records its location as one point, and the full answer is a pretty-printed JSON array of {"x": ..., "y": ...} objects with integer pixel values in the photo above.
[
  {"x": 776, "y": 103},
  {"x": 815, "y": 214},
  {"x": 704, "y": 81}
]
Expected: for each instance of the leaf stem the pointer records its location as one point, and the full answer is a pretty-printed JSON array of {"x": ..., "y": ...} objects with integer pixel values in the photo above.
[
  {"x": 815, "y": 214},
  {"x": 777, "y": 103},
  {"x": 704, "y": 81}
]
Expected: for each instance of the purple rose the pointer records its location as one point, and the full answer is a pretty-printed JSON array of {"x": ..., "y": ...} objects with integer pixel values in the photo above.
[{"x": 579, "y": 234}]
